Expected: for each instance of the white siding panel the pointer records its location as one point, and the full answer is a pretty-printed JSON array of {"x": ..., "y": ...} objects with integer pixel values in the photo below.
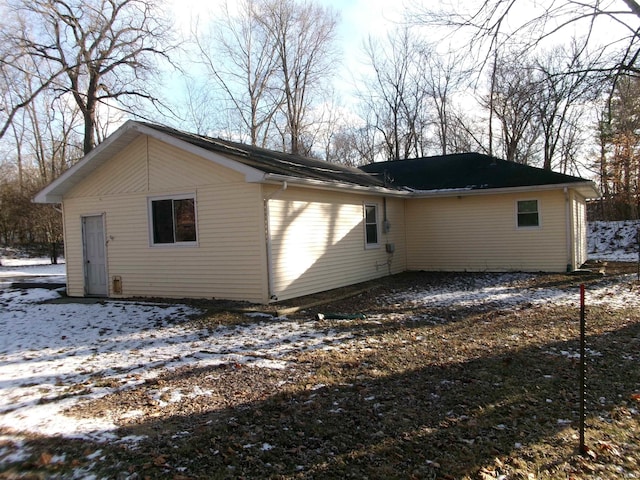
[
  {"x": 124, "y": 173},
  {"x": 479, "y": 233},
  {"x": 167, "y": 169},
  {"x": 579, "y": 206},
  {"x": 318, "y": 243},
  {"x": 73, "y": 249}
]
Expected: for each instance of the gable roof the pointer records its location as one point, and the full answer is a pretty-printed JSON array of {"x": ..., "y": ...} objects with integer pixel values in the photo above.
[
  {"x": 459, "y": 172},
  {"x": 257, "y": 164},
  {"x": 471, "y": 172}
]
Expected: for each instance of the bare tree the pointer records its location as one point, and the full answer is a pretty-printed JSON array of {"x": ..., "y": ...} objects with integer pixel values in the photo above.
[
  {"x": 272, "y": 60},
  {"x": 620, "y": 150},
  {"x": 240, "y": 56},
  {"x": 304, "y": 38},
  {"x": 99, "y": 52},
  {"x": 565, "y": 85},
  {"x": 49, "y": 139},
  {"x": 444, "y": 75},
  {"x": 22, "y": 77},
  {"x": 396, "y": 94},
  {"x": 512, "y": 103},
  {"x": 498, "y": 23}
]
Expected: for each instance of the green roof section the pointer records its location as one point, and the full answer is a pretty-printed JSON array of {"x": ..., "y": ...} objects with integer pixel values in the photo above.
[{"x": 469, "y": 171}]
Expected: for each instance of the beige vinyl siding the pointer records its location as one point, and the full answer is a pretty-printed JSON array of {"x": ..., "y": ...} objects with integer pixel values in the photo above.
[
  {"x": 72, "y": 226},
  {"x": 124, "y": 173},
  {"x": 229, "y": 260},
  {"x": 318, "y": 241},
  {"x": 479, "y": 233}
]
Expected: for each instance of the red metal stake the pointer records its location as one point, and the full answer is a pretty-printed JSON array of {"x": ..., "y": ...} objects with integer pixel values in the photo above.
[{"x": 583, "y": 449}]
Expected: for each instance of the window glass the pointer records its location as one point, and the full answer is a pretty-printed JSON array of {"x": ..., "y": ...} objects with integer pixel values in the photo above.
[
  {"x": 185, "y": 220},
  {"x": 173, "y": 220},
  {"x": 162, "y": 221},
  {"x": 371, "y": 224},
  {"x": 528, "y": 213}
]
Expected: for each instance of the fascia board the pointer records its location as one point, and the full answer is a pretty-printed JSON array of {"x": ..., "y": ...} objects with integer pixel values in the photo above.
[{"x": 587, "y": 188}]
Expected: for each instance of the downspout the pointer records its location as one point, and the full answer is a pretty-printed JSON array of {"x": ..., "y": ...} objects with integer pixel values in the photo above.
[
  {"x": 569, "y": 230},
  {"x": 272, "y": 296}
]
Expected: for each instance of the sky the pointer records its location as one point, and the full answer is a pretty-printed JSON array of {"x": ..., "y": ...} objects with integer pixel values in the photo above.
[{"x": 358, "y": 19}]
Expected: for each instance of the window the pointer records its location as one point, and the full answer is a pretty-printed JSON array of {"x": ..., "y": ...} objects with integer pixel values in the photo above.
[
  {"x": 528, "y": 214},
  {"x": 371, "y": 225},
  {"x": 173, "y": 220}
]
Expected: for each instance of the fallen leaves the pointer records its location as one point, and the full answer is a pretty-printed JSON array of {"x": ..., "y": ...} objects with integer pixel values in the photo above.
[{"x": 44, "y": 459}]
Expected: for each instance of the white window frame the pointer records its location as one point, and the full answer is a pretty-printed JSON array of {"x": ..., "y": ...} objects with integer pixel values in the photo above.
[
  {"x": 367, "y": 244},
  {"x": 184, "y": 196},
  {"x": 528, "y": 227}
]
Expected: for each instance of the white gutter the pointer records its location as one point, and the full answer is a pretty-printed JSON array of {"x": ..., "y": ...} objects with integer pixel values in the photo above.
[{"x": 277, "y": 179}]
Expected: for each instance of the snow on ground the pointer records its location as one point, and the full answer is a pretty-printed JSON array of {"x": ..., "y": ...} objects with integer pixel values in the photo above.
[
  {"x": 613, "y": 241},
  {"x": 33, "y": 270},
  {"x": 49, "y": 350},
  {"x": 511, "y": 290}
]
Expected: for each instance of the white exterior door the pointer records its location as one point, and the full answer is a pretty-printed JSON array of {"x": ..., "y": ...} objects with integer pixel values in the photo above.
[{"x": 95, "y": 265}]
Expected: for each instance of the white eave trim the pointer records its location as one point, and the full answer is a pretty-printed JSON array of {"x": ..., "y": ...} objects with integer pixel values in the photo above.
[
  {"x": 277, "y": 179},
  {"x": 586, "y": 188}
]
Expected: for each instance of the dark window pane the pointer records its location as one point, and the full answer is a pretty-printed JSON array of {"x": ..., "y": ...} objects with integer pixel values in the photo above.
[
  {"x": 370, "y": 214},
  {"x": 528, "y": 206},
  {"x": 528, "y": 219},
  {"x": 185, "y": 216},
  {"x": 528, "y": 213},
  {"x": 162, "y": 211},
  {"x": 371, "y": 224},
  {"x": 372, "y": 233}
]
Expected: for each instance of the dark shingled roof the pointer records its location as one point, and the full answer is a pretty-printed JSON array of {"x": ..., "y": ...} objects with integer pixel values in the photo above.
[
  {"x": 273, "y": 162},
  {"x": 473, "y": 171}
]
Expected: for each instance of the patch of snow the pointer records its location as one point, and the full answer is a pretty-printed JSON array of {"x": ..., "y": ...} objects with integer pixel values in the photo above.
[
  {"x": 512, "y": 290},
  {"x": 613, "y": 241},
  {"x": 17, "y": 452},
  {"x": 55, "y": 355},
  {"x": 30, "y": 271}
]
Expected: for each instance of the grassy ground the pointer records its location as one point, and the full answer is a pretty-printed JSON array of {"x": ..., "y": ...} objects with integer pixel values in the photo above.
[{"x": 455, "y": 393}]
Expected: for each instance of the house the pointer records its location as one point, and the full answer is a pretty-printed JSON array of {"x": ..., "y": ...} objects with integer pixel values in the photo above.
[{"x": 157, "y": 212}]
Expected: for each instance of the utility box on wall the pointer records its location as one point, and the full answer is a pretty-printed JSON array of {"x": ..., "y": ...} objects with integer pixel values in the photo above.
[
  {"x": 390, "y": 247},
  {"x": 116, "y": 285}
]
